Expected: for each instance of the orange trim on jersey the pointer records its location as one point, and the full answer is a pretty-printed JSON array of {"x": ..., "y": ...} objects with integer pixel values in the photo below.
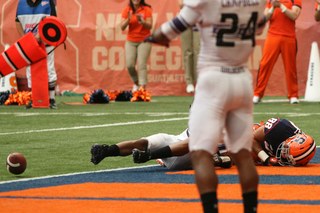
[
  {"x": 137, "y": 32},
  {"x": 316, "y": 6},
  {"x": 279, "y": 23}
]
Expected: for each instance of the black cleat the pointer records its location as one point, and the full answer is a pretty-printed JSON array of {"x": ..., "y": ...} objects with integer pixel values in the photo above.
[
  {"x": 141, "y": 156},
  {"x": 53, "y": 104},
  {"x": 98, "y": 153}
]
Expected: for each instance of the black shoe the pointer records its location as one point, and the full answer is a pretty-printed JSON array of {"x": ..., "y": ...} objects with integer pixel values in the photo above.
[
  {"x": 98, "y": 153},
  {"x": 141, "y": 156},
  {"x": 29, "y": 106},
  {"x": 53, "y": 104}
]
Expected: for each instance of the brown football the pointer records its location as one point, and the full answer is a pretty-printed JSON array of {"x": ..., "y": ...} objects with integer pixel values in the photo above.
[{"x": 16, "y": 163}]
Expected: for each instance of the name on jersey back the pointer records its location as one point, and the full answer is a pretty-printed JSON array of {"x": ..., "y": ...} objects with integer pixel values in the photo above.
[{"x": 239, "y": 3}]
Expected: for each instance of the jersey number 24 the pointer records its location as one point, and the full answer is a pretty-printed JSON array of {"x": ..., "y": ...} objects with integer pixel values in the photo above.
[{"x": 244, "y": 32}]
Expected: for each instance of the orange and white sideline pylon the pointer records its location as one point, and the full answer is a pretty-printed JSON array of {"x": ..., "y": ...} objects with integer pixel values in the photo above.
[
  {"x": 313, "y": 83},
  {"x": 27, "y": 51}
]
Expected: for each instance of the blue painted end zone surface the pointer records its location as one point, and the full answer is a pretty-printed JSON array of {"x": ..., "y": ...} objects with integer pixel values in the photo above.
[{"x": 153, "y": 174}]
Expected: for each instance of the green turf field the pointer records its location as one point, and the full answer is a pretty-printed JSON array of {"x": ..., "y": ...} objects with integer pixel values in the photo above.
[{"x": 59, "y": 141}]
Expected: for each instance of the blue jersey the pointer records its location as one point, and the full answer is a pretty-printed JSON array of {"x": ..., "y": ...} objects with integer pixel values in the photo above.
[
  {"x": 277, "y": 130},
  {"x": 29, "y": 14}
]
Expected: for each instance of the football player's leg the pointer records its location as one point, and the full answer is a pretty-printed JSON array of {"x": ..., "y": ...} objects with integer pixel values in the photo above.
[
  {"x": 239, "y": 143},
  {"x": 158, "y": 147},
  {"x": 178, "y": 163},
  {"x": 99, "y": 152},
  {"x": 206, "y": 122},
  {"x": 249, "y": 179},
  {"x": 126, "y": 147}
]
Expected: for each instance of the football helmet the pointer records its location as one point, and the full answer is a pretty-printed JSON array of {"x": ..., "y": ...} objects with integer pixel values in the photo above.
[
  {"x": 255, "y": 126},
  {"x": 296, "y": 151}
]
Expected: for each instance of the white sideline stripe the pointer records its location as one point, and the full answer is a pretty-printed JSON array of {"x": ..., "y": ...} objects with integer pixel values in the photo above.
[
  {"x": 94, "y": 114},
  {"x": 144, "y": 113},
  {"x": 282, "y": 100},
  {"x": 95, "y": 126},
  {"x": 76, "y": 173}
]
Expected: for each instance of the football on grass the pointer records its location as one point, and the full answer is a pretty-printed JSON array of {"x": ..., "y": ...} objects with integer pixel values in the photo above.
[{"x": 16, "y": 163}]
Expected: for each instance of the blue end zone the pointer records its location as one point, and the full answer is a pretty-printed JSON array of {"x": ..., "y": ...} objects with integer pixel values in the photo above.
[{"x": 150, "y": 174}]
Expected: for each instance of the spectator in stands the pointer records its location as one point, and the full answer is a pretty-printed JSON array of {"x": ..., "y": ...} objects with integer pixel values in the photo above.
[{"x": 138, "y": 16}]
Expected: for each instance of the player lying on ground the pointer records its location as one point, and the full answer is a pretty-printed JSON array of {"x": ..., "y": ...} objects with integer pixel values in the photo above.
[
  {"x": 278, "y": 142},
  {"x": 156, "y": 146},
  {"x": 281, "y": 142}
]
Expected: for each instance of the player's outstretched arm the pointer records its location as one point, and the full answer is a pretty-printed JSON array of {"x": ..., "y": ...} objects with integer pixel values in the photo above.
[
  {"x": 171, "y": 29},
  {"x": 158, "y": 38},
  {"x": 258, "y": 137}
]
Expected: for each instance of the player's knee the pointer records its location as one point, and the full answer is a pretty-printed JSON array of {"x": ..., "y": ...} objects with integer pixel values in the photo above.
[{"x": 200, "y": 156}]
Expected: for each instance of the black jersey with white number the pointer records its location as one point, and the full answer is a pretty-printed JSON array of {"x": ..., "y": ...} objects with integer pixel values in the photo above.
[{"x": 276, "y": 131}]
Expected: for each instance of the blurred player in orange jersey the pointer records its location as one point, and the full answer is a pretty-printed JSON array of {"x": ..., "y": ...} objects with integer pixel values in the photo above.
[
  {"x": 281, "y": 38},
  {"x": 317, "y": 13}
]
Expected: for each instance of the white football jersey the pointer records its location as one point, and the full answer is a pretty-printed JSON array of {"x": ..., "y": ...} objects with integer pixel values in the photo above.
[{"x": 227, "y": 29}]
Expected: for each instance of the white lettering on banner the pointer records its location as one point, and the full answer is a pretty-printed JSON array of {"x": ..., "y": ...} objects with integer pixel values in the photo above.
[
  {"x": 161, "y": 58},
  {"x": 173, "y": 58},
  {"x": 99, "y": 52},
  {"x": 155, "y": 58},
  {"x": 103, "y": 28},
  {"x": 116, "y": 58},
  {"x": 167, "y": 78},
  {"x": 106, "y": 56}
]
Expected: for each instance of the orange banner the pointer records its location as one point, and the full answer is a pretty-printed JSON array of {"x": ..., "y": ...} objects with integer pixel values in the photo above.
[{"x": 95, "y": 57}]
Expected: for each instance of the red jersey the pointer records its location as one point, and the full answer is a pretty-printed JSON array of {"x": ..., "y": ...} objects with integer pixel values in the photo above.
[
  {"x": 137, "y": 32},
  {"x": 279, "y": 23}
]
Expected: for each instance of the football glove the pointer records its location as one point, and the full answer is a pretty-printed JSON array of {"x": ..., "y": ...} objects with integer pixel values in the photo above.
[
  {"x": 141, "y": 156},
  {"x": 271, "y": 161},
  {"x": 222, "y": 161}
]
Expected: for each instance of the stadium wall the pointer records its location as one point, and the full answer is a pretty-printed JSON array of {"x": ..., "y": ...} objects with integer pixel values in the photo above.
[{"x": 94, "y": 57}]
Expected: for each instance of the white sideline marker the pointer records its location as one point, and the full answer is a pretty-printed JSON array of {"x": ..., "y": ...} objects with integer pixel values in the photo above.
[{"x": 313, "y": 83}]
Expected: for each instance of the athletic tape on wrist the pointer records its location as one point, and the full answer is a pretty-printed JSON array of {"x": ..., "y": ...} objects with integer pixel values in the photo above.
[
  {"x": 283, "y": 8},
  {"x": 263, "y": 155},
  {"x": 271, "y": 10}
]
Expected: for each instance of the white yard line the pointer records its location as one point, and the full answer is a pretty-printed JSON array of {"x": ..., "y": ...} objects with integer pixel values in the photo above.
[
  {"x": 21, "y": 114},
  {"x": 288, "y": 114},
  {"x": 95, "y": 126}
]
